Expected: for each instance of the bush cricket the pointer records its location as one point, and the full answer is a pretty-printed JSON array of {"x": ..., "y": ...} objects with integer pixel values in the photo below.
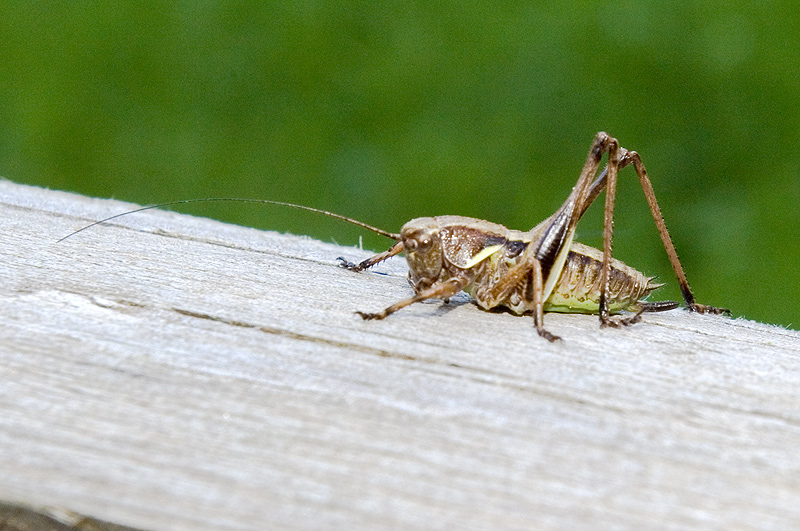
[{"x": 534, "y": 272}]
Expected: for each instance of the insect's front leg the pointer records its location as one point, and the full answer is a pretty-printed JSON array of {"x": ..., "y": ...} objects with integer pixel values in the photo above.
[
  {"x": 439, "y": 290},
  {"x": 369, "y": 262}
]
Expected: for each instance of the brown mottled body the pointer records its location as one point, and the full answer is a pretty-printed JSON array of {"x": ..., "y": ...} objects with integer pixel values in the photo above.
[{"x": 542, "y": 269}]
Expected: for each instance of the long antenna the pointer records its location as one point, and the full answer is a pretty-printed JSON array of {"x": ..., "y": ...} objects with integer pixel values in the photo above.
[{"x": 361, "y": 224}]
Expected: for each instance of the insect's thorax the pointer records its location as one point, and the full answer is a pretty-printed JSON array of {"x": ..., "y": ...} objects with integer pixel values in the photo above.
[{"x": 438, "y": 249}]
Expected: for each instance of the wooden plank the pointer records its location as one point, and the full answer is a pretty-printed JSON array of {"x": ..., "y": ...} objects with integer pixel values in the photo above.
[{"x": 174, "y": 372}]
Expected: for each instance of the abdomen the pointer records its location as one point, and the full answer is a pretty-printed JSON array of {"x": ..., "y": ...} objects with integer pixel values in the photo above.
[{"x": 578, "y": 288}]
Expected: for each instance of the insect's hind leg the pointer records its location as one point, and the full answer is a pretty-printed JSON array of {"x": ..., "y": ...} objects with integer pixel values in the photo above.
[
  {"x": 658, "y": 306},
  {"x": 645, "y": 307},
  {"x": 619, "y": 158},
  {"x": 615, "y": 157},
  {"x": 634, "y": 158},
  {"x": 369, "y": 262}
]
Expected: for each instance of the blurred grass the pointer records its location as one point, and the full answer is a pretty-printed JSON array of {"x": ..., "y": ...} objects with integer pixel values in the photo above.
[{"x": 389, "y": 111}]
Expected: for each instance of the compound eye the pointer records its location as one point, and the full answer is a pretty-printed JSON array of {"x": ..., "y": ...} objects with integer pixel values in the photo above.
[
  {"x": 419, "y": 241},
  {"x": 424, "y": 244}
]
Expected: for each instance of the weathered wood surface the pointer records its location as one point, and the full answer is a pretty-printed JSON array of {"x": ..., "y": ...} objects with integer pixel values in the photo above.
[{"x": 172, "y": 372}]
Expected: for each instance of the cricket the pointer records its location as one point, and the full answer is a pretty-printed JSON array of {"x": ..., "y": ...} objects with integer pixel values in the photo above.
[{"x": 534, "y": 272}]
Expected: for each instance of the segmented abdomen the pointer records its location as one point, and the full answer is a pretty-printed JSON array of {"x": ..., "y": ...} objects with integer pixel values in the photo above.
[{"x": 578, "y": 288}]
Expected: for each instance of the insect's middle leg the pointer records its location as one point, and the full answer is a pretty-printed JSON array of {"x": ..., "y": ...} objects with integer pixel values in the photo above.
[
  {"x": 537, "y": 295},
  {"x": 440, "y": 290},
  {"x": 527, "y": 272}
]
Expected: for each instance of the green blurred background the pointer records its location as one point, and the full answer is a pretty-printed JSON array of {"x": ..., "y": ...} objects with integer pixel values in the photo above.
[{"x": 386, "y": 111}]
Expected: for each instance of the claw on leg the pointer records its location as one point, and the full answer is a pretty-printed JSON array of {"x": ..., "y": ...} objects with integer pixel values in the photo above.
[
  {"x": 371, "y": 316},
  {"x": 552, "y": 338},
  {"x": 621, "y": 322},
  {"x": 703, "y": 308},
  {"x": 345, "y": 264},
  {"x": 355, "y": 267},
  {"x": 369, "y": 262}
]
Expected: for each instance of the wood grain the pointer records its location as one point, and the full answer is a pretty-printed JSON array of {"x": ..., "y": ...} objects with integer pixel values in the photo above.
[{"x": 172, "y": 372}]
